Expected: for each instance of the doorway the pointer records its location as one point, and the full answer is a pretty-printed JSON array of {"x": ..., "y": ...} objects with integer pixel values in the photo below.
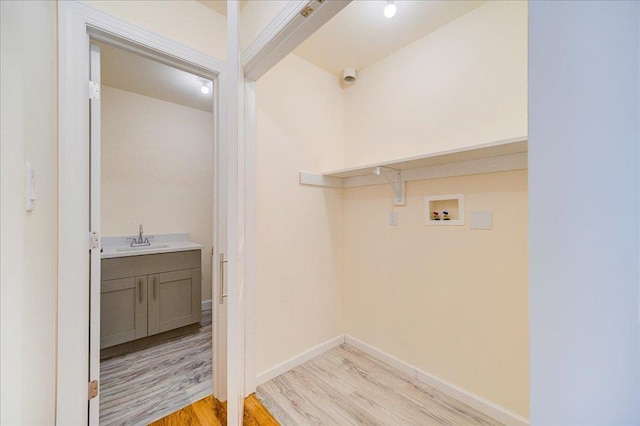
[{"x": 152, "y": 129}]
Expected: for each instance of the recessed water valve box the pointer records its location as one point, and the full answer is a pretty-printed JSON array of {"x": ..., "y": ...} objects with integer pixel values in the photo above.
[{"x": 444, "y": 210}]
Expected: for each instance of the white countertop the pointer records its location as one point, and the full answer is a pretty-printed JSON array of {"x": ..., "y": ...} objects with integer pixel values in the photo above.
[{"x": 160, "y": 243}]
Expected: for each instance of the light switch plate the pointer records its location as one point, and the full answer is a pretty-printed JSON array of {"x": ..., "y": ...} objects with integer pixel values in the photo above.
[{"x": 481, "y": 220}]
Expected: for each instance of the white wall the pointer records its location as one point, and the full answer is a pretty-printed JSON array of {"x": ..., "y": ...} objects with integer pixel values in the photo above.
[
  {"x": 255, "y": 16},
  {"x": 583, "y": 155},
  {"x": 186, "y": 21},
  {"x": 28, "y": 248},
  {"x": 464, "y": 84},
  {"x": 157, "y": 170},
  {"x": 300, "y": 229}
]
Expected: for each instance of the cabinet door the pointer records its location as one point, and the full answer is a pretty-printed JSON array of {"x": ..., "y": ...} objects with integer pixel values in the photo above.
[
  {"x": 123, "y": 310},
  {"x": 174, "y": 300}
]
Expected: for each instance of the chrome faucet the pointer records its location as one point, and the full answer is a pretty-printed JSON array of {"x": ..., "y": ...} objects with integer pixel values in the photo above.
[{"x": 136, "y": 242}]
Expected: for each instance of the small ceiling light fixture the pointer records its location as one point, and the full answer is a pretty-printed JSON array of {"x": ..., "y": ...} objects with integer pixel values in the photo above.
[
  {"x": 390, "y": 9},
  {"x": 205, "y": 89}
]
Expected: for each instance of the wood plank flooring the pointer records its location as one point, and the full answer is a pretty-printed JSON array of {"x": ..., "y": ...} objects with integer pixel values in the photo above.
[
  {"x": 209, "y": 411},
  {"x": 140, "y": 387},
  {"x": 341, "y": 387},
  {"x": 347, "y": 387},
  {"x": 256, "y": 414}
]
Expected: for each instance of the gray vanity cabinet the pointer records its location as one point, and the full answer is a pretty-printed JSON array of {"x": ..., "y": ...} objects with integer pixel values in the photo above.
[{"x": 149, "y": 294}]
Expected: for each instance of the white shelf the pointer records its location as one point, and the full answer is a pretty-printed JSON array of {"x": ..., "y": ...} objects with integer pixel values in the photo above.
[{"x": 510, "y": 154}]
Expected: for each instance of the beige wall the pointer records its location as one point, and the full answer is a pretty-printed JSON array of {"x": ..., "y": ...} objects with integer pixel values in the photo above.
[
  {"x": 462, "y": 85},
  {"x": 255, "y": 16},
  {"x": 28, "y": 248},
  {"x": 157, "y": 170},
  {"x": 185, "y": 21},
  {"x": 451, "y": 301},
  {"x": 300, "y": 231},
  {"x": 192, "y": 23}
]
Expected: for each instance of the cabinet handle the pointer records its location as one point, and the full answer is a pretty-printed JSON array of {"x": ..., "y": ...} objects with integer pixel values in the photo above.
[
  {"x": 140, "y": 290},
  {"x": 222, "y": 293},
  {"x": 155, "y": 288}
]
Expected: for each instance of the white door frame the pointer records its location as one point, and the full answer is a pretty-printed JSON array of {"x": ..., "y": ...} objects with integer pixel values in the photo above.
[{"x": 77, "y": 23}]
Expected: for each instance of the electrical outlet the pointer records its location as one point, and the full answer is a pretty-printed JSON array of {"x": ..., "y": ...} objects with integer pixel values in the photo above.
[{"x": 393, "y": 218}]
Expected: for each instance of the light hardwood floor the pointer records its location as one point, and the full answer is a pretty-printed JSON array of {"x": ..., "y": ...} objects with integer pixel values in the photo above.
[
  {"x": 347, "y": 387},
  {"x": 143, "y": 386},
  {"x": 209, "y": 411}
]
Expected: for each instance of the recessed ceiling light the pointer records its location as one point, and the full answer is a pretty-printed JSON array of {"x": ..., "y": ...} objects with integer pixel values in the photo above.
[{"x": 390, "y": 9}]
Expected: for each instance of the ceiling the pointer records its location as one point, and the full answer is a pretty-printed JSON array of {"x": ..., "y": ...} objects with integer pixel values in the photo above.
[
  {"x": 360, "y": 35},
  {"x": 220, "y": 6},
  {"x": 356, "y": 37},
  {"x": 128, "y": 71}
]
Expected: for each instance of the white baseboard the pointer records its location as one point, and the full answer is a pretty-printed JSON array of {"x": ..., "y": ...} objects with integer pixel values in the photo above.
[
  {"x": 295, "y": 361},
  {"x": 474, "y": 401},
  {"x": 206, "y": 305}
]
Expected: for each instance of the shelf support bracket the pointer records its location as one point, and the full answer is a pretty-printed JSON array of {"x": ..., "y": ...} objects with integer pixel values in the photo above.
[{"x": 397, "y": 183}]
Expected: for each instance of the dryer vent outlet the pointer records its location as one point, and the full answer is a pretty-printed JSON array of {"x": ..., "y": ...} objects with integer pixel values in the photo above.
[{"x": 349, "y": 75}]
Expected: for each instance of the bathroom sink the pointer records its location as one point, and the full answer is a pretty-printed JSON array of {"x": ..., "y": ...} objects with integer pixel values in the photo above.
[{"x": 151, "y": 247}]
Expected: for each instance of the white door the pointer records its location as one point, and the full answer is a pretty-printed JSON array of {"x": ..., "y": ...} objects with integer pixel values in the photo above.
[
  {"x": 94, "y": 235},
  {"x": 220, "y": 252}
]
